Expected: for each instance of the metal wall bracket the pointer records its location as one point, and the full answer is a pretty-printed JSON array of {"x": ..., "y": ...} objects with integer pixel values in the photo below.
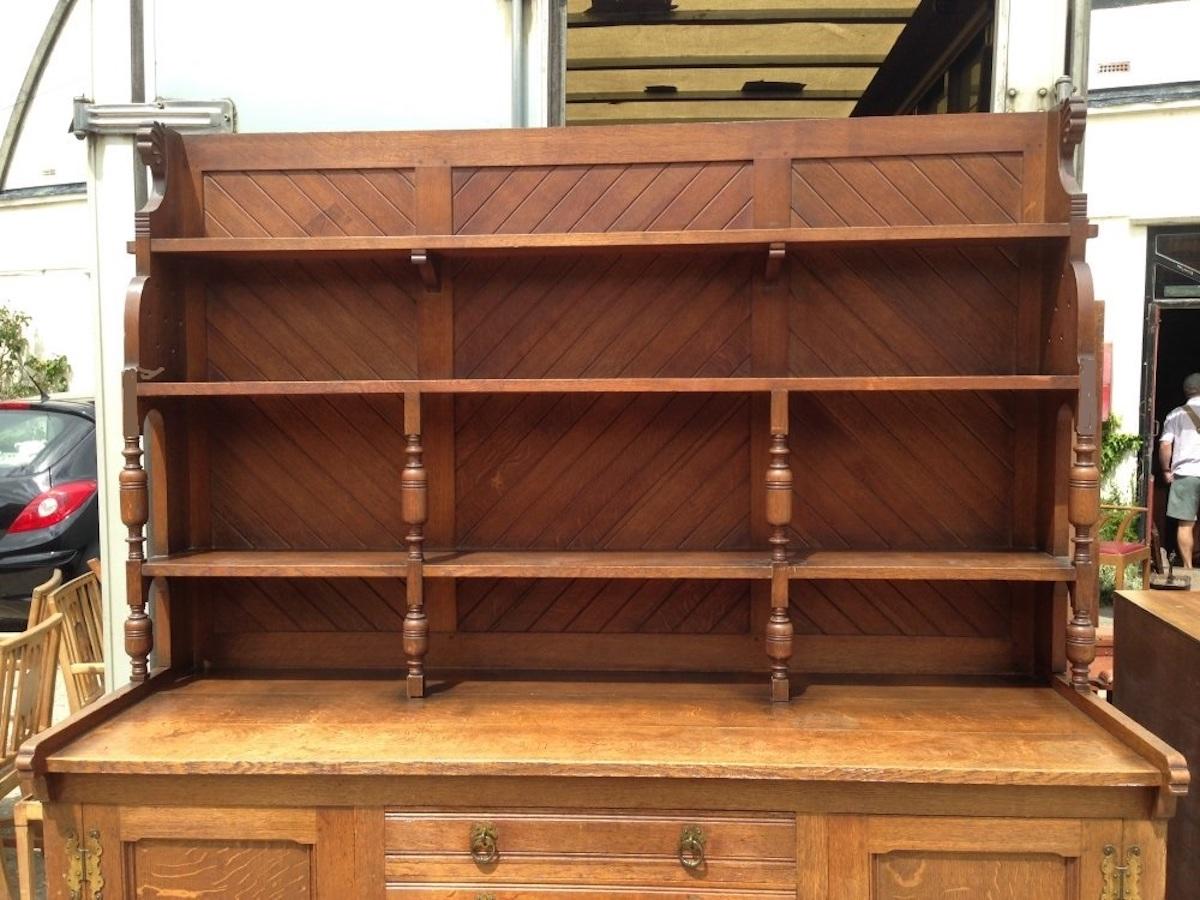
[{"x": 188, "y": 116}]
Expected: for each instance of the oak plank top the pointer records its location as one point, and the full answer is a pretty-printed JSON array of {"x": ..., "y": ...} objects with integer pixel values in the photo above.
[
  {"x": 1180, "y": 609},
  {"x": 888, "y": 734}
]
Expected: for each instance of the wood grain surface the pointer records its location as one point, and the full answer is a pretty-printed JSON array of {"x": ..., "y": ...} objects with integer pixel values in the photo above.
[{"x": 931, "y": 734}]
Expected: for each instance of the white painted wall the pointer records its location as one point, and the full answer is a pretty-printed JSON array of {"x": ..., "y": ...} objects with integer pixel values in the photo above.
[
  {"x": 45, "y": 244},
  {"x": 45, "y": 273},
  {"x": 1157, "y": 40},
  {"x": 353, "y": 65}
]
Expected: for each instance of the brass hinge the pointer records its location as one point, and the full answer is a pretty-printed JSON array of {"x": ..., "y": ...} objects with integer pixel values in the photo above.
[
  {"x": 1121, "y": 882},
  {"x": 83, "y": 866}
]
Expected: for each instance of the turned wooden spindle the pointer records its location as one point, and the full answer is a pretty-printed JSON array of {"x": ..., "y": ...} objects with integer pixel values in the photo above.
[
  {"x": 414, "y": 509},
  {"x": 1083, "y": 512},
  {"x": 139, "y": 638},
  {"x": 779, "y": 517},
  {"x": 779, "y": 635},
  {"x": 779, "y": 479}
]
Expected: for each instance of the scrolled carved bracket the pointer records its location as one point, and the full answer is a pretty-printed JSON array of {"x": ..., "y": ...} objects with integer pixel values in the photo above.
[
  {"x": 152, "y": 149},
  {"x": 1072, "y": 124}
]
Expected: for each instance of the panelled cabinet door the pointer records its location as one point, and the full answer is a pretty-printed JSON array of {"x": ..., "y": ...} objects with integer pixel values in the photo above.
[
  {"x": 926, "y": 858},
  {"x": 153, "y": 853}
]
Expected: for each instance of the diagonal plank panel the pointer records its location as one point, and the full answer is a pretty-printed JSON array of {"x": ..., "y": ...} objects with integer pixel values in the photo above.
[
  {"x": 311, "y": 320},
  {"x": 566, "y": 199},
  {"x": 957, "y": 315},
  {"x": 309, "y": 203},
  {"x": 977, "y": 188}
]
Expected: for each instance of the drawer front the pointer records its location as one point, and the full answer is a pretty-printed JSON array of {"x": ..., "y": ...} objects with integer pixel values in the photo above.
[{"x": 535, "y": 848}]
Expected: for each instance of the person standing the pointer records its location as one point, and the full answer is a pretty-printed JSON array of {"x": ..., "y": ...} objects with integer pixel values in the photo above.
[{"x": 1179, "y": 453}]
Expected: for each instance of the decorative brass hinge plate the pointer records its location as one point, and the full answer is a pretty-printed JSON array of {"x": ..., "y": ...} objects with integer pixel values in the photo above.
[
  {"x": 1121, "y": 882},
  {"x": 83, "y": 867}
]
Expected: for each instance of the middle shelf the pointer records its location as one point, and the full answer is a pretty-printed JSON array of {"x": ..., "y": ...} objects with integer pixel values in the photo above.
[{"x": 958, "y": 565}]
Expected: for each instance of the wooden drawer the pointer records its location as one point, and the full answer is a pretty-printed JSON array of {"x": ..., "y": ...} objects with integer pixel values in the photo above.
[{"x": 625, "y": 849}]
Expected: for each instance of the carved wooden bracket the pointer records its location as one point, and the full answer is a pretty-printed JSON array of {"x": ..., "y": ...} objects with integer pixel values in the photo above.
[{"x": 429, "y": 269}]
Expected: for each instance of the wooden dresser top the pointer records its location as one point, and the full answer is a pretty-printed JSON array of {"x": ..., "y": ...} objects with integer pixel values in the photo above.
[{"x": 931, "y": 735}]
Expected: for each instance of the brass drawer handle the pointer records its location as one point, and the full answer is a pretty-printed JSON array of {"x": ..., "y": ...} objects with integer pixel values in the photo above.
[
  {"x": 485, "y": 848},
  {"x": 691, "y": 847}
]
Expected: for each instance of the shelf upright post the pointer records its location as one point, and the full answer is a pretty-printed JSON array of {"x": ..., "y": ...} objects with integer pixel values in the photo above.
[
  {"x": 135, "y": 509},
  {"x": 414, "y": 497},
  {"x": 779, "y": 517},
  {"x": 1083, "y": 500}
]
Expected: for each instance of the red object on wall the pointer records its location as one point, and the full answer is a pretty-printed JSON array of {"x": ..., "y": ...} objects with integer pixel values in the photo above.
[{"x": 1106, "y": 382}]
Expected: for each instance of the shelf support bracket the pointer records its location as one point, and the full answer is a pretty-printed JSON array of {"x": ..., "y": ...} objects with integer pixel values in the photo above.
[
  {"x": 776, "y": 254},
  {"x": 779, "y": 517},
  {"x": 414, "y": 502},
  {"x": 428, "y": 269}
]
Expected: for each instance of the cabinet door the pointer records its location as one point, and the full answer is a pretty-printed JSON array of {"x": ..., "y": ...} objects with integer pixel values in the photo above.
[
  {"x": 244, "y": 853},
  {"x": 927, "y": 858}
]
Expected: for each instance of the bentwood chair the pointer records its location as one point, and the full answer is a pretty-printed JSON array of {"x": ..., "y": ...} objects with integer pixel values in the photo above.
[{"x": 1121, "y": 551}]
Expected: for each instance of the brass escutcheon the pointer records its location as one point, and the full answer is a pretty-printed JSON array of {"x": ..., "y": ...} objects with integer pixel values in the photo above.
[
  {"x": 691, "y": 847},
  {"x": 485, "y": 848}
]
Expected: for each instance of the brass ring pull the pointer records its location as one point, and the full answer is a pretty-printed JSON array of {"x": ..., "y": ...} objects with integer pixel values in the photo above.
[
  {"x": 691, "y": 847},
  {"x": 485, "y": 848}
]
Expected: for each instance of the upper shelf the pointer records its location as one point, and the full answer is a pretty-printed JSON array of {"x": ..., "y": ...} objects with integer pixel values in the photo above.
[
  {"x": 611, "y": 385},
  {"x": 732, "y": 239}
]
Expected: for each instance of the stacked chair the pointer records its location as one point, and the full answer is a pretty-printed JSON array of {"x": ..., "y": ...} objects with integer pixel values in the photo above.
[{"x": 64, "y": 630}]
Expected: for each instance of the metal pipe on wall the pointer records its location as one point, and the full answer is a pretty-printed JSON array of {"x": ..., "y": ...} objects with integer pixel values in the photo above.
[{"x": 519, "y": 115}]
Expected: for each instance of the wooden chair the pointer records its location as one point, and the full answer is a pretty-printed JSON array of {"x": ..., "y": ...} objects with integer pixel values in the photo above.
[
  {"x": 38, "y": 608},
  {"x": 1121, "y": 551},
  {"x": 27, "y": 672},
  {"x": 81, "y": 652}
]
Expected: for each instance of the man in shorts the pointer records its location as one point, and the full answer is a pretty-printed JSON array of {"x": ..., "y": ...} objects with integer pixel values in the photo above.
[{"x": 1179, "y": 453}]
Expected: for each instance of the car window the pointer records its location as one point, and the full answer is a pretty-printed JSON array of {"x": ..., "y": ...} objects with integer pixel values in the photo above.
[{"x": 30, "y": 439}]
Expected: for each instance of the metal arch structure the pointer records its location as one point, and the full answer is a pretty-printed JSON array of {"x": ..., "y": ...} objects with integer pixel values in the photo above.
[{"x": 37, "y": 65}]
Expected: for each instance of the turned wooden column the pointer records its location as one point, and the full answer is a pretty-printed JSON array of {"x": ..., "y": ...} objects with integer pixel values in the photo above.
[
  {"x": 414, "y": 496},
  {"x": 1076, "y": 296},
  {"x": 779, "y": 517},
  {"x": 1083, "y": 512},
  {"x": 139, "y": 636}
]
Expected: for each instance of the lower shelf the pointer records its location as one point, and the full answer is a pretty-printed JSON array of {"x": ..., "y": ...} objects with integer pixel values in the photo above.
[{"x": 663, "y": 564}]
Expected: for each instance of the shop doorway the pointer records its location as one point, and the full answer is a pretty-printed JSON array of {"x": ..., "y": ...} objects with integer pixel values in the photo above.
[{"x": 1172, "y": 351}]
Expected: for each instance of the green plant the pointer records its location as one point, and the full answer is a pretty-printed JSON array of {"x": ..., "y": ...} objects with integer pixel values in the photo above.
[
  {"x": 1115, "y": 447},
  {"x": 22, "y": 372}
]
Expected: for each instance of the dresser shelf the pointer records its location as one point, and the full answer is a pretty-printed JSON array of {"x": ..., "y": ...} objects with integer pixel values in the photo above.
[
  {"x": 610, "y": 385},
  {"x": 624, "y": 241},
  {"x": 852, "y": 565}
]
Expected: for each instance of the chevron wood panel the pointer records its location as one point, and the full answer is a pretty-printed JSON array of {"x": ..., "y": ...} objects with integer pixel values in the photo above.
[
  {"x": 587, "y": 317},
  {"x": 307, "y": 473},
  {"x": 912, "y": 608},
  {"x": 902, "y": 471},
  {"x": 903, "y": 311},
  {"x": 642, "y": 197},
  {"x": 312, "y": 320},
  {"x": 308, "y": 605},
  {"x": 603, "y": 472},
  {"x": 594, "y": 606},
  {"x": 978, "y": 188},
  {"x": 309, "y": 203}
]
